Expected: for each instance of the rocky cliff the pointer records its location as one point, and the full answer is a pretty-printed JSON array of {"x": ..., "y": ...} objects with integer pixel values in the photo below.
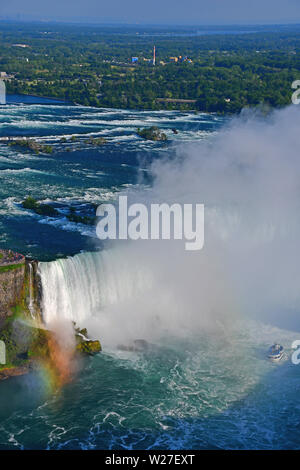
[{"x": 11, "y": 285}]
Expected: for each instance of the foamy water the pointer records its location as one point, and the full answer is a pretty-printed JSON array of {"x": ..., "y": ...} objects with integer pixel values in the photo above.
[
  {"x": 204, "y": 381},
  {"x": 77, "y": 174}
]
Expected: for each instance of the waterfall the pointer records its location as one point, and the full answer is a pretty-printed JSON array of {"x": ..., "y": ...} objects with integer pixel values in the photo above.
[
  {"x": 129, "y": 292},
  {"x": 31, "y": 293},
  {"x": 79, "y": 287}
]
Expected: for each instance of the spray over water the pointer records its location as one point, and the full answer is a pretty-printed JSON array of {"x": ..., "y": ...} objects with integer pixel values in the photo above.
[{"x": 248, "y": 178}]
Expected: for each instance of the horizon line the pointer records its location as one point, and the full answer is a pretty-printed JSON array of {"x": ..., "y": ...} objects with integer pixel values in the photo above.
[{"x": 91, "y": 22}]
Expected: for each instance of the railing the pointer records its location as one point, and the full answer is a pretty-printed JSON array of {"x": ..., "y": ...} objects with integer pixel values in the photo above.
[{"x": 8, "y": 257}]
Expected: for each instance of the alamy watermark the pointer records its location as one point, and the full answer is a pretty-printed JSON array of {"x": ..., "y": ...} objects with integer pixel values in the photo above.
[
  {"x": 296, "y": 94},
  {"x": 2, "y": 353},
  {"x": 2, "y": 92},
  {"x": 295, "y": 358},
  {"x": 154, "y": 222}
]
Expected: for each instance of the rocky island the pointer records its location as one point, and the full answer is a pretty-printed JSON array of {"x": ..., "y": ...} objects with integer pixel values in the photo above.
[
  {"x": 152, "y": 133},
  {"x": 31, "y": 145}
]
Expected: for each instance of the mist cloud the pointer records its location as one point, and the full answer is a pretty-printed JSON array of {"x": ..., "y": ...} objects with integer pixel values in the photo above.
[{"x": 248, "y": 178}]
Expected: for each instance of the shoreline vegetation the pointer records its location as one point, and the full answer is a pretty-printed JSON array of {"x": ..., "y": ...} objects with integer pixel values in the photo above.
[{"x": 112, "y": 67}]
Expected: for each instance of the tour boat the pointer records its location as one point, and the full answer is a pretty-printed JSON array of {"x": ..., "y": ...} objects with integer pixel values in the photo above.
[{"x": 275, "y": 352}]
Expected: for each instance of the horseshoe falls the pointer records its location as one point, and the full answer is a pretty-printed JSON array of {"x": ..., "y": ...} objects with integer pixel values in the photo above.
[
  {"x": 78, "y": 287},
  {"x": 207, "y": 319}
]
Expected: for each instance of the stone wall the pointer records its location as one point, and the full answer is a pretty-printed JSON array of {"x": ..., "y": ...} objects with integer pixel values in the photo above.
[{"x": 11, "y": 284}]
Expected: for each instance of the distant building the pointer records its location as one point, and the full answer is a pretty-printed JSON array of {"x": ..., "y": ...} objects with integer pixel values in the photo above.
[
  {"x": 20, "y": 45},
  {"x": 181, "y": 59},
  {"x": 5, "y": 76}
]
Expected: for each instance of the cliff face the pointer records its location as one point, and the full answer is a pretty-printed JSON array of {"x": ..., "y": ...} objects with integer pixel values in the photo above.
[
  {"x": 27, "y": 342},
  {"x": 11, "y": 285}
]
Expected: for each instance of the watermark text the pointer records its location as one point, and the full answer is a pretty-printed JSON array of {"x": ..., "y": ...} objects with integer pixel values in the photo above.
[{"x": 156, "y": 222}]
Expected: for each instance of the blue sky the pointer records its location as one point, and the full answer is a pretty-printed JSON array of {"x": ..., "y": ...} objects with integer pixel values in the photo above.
[{"x": 157, "y": 11}]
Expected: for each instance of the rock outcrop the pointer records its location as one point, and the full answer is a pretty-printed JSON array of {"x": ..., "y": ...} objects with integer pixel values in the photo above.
[
  {"x": 84, "y": 345},
  {"x": 12, "y": 275},
  {"x": 151, "y": 133}
]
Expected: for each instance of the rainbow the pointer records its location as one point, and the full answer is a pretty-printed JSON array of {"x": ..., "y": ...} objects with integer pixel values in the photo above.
[{"x": 58, "y": 368}]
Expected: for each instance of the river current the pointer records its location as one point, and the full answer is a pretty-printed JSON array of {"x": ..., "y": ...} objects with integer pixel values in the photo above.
[{"x": 189, "y": 391}]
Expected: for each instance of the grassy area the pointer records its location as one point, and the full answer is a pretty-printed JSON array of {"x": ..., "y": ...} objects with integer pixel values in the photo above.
[
  {"x": 10, "y": 267},
  {"x": 6, "y": 367}
]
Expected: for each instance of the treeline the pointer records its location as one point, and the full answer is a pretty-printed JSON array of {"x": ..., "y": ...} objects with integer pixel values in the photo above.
[{"x": 91, "y": 66}]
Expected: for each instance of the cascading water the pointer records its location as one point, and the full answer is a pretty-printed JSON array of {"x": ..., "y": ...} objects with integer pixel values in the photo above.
[
  {"x": 176, "y": 388},
  {"x": 31, "y": 293},
  {"x": 78, "y": 287},
  {"x": 130, "y": 292}
]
